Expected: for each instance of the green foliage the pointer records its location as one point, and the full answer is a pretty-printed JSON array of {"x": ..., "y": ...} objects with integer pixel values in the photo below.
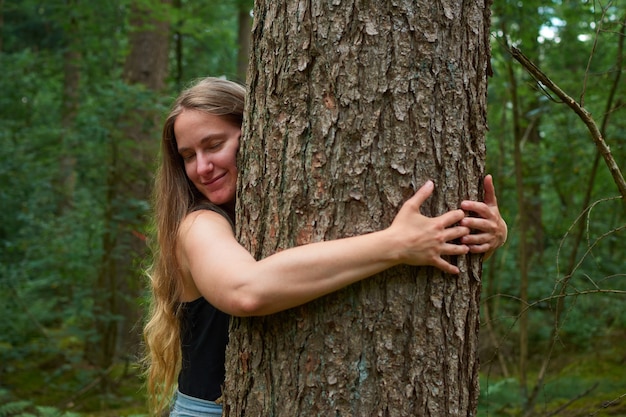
[
  {"x": 208, "y": 32},
  {"x": 496, "y": 396},
  {"x": 22, "y": 408},
  {"x": 52, "y": 242},
  {"x": 573, "y": 240},
  {"x": 55, "y": 224},
  {"x": 592, "y": 385}
]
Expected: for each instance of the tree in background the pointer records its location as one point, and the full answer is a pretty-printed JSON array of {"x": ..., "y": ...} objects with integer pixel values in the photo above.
[
  {"x": 566, "y": 261},
  {"x": 128, "y": 184},
  {"x": 351, "y": 107},
  {"x": 63, "y": 98},
  {"x": 84, "y": 89}
]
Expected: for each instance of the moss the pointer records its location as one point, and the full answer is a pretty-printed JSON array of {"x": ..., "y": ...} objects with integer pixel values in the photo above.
[
  {"x": 580, "y": 383},
  {"x": 51, "y": 381}
]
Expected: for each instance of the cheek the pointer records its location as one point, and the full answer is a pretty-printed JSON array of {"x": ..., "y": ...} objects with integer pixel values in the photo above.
[
  {"x": 231, "y": 161},
  {"x": 190, "y": 170}
]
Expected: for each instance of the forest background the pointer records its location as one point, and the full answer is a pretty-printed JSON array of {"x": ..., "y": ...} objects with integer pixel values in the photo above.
[{"x": 80, "y": 117}]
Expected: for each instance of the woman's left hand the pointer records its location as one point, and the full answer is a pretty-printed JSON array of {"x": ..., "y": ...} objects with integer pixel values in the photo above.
[{"x": 489, "y": 230}]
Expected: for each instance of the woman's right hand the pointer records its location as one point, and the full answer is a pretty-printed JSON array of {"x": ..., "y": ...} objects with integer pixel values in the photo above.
[{"x": 425, "y": 240}]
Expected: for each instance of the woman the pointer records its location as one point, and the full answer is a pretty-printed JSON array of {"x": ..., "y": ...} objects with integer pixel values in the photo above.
[{"x": 201, "y": 275}]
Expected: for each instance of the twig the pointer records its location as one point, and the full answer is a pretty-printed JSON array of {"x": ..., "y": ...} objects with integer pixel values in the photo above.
[
  {"x": 608, "y": 404},
  {"x": 570, "y": 402},
  {"x": 584, "y": 115},
  {"x": 86, "y": 388},
  {"x": 599, "y": 28},
  {"x": 577, "y": 293}
]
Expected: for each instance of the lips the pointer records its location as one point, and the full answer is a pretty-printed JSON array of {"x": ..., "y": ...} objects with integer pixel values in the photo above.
[
  {"x": 213, "y": 180},
  {"x": 219, "y": 189}
]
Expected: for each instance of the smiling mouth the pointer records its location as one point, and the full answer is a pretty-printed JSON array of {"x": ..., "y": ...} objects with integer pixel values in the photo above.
[{"x": 213, "y": 180}]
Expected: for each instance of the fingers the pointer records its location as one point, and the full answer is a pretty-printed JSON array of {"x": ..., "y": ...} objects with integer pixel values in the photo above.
[
  {"x": 490, "y": 235},
  {"x": 445, "y": 235},
  {"x": 454, "y": 233},
  {"x": 482, "y": 209},
  {"x": 447, "y": 248},
  {"x": 484, "y": 248},
  {"x": 452, "y": 217},
  {"x": 447, "y": 267},
  {"x": 451, "y": 233},
  {"x": 480, "y": 243},
  {"x": 483, "y": 224},
  {"x": 487, "y": 233},
  {"x": 450, "y": 249},
  {"x": 488, "y": 226},
  {"x": 423, "y": 193},
  {"x": 490, "y": 192},
  {"x": 490, "y": 201}
]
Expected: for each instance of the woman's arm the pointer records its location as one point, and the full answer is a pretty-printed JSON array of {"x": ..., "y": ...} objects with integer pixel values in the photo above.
[{"x": 233, "y": 281}]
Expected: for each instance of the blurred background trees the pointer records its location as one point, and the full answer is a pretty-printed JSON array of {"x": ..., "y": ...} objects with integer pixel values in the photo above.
[{"x": 84, "y": 89}]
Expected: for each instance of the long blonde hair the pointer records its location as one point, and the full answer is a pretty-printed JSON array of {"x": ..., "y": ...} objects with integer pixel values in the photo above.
[{"x": 174, "y": 197}]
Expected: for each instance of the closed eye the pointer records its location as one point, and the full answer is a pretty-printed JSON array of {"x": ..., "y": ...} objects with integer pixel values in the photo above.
[
  {"x": 188, "y": 157},
  {"x": 215, "y": 145}
]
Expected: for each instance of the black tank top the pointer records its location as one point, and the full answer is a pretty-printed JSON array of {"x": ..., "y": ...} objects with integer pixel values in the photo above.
[{"x": 204, "y": 336}]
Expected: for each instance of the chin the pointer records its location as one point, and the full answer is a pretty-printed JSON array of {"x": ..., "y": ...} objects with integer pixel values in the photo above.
[{"x": 221, "y": 200}]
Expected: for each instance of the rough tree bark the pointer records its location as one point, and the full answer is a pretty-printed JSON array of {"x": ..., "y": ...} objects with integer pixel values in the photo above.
[{"x": 351, "y": 107}]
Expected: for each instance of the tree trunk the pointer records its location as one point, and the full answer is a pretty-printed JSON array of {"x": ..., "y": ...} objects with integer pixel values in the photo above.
[
  {"x": 66, "y": 182},
  {"x": 128, "y": 192},
  {"x": 350, "y": 109},
  {"x": 527, "y": 165},
  {"x": 243, "y": 38},
  {"x": 147, "y": 64},
  {"x": 1, "y": 25}
]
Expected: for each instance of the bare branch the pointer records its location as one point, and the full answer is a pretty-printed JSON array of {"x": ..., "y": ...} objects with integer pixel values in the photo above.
[
  {"x": 572, "y": 401},
  {"x": 608, "y": 404},
  {"x": 593, "y": 50},
  {"x": 584, "y": 115}
]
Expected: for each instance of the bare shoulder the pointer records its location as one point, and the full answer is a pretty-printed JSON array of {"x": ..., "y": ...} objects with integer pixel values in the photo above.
[
  {"x": 200, "y": 221},
  {"x": 199, "y": 238},
  {"x": 201, "y": 233},
  {"x": 204, "y": 233}
]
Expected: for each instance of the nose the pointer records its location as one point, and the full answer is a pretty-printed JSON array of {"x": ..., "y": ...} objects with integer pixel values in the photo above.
[{"x": 204, "y": 165}]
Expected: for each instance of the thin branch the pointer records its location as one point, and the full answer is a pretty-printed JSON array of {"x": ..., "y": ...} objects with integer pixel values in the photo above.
[
  {"x": 92, "y": 384},
  {"x": 535, "y": 303},
  {"x": 608, "y": 404},
  {"x": 574, "y": 266},
  {"x": 584, "y": 115},
  {"x": 572, "y": 401},
  {"x": 591, "y": 55}
]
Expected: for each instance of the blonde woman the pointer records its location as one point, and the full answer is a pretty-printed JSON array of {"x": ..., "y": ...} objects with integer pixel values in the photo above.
[{"x": 201, "y": 275}]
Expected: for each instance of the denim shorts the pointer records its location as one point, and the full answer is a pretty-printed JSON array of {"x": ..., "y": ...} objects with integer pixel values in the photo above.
[{"x": 186, "y": 406}]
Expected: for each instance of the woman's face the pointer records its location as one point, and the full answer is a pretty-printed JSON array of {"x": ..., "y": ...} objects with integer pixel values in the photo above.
[{"x": 208, "y": 145}]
